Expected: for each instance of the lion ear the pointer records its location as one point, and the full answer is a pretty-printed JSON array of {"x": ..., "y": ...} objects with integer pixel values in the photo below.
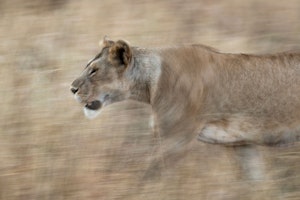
[
  {"x": 120, "y": 51},
  {"x": 105, "y": 42}
]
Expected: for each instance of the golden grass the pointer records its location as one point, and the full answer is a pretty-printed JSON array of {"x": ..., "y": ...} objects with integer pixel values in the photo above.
[{"x": 50, "y": 151}]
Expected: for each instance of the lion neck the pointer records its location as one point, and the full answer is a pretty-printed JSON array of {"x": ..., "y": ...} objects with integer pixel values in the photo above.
[{"x": 143, "y": 75}]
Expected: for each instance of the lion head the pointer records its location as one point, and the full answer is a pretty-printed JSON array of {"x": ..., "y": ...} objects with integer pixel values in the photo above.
[{"x": 102, "y": 82}]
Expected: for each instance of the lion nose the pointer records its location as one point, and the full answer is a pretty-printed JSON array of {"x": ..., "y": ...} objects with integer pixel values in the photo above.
[{"x": 74, "y": 90}]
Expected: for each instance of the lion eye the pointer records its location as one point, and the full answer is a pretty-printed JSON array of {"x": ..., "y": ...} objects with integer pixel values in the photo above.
[{"x": 93, "y": 71}]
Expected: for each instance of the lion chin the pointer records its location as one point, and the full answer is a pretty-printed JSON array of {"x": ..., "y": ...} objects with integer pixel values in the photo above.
[
  {"x": 91, "y": 114},
  {"x": 92, "y": 109}
]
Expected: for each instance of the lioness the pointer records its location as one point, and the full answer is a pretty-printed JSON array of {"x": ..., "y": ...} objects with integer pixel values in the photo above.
[{"x": 196, "y": 90}]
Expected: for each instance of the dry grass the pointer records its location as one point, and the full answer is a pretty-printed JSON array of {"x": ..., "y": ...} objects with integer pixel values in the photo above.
[{"x": 50, "y": 151}]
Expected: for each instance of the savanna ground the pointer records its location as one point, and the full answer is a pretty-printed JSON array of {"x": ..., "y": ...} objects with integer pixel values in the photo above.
[{"x": 49, "y": 150}]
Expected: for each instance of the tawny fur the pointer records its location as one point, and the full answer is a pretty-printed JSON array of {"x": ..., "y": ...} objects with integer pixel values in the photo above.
[{"x": 196, "y": 91}]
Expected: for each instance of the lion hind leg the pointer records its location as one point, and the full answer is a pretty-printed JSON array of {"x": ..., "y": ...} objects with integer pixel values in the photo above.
[
  {"x": 232, "y": 131},
  {"x": 216, "y": 134}
]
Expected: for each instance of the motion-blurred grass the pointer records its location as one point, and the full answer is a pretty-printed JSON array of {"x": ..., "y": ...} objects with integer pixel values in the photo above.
[{"x": 48, "y": 150}]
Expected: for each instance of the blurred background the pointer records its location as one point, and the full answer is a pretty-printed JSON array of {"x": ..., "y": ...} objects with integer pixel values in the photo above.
[{"x": 49, "y": 150}]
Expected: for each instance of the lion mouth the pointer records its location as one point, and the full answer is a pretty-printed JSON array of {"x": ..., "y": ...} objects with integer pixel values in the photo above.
[{"x": 94, "y": 105}]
